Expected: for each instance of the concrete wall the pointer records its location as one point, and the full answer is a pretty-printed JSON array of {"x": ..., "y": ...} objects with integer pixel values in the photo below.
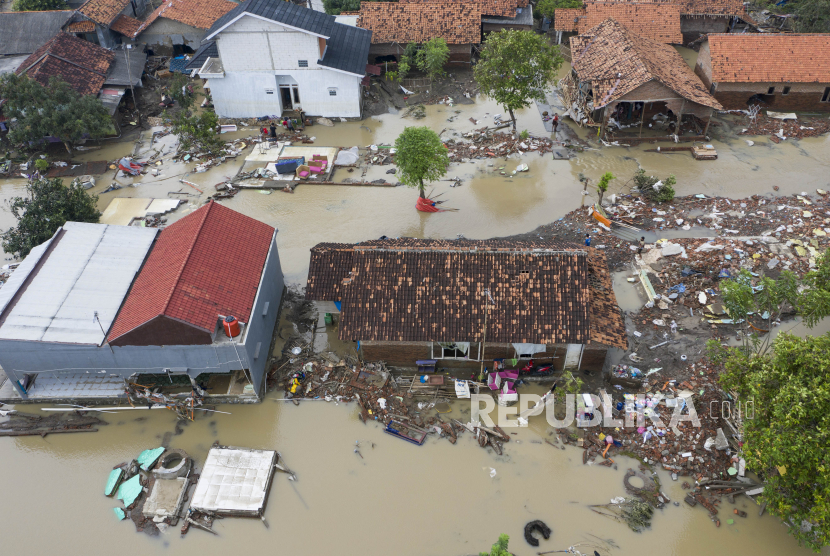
[
  {"x": 693, "y": 26},
  {"x": 404, "y": 354},
  {"x": 258, "y": 55},
  {"x": 164, "y": 33},
  {"x": 21, "y": 357},
  {"x": 735, "y": 96}
]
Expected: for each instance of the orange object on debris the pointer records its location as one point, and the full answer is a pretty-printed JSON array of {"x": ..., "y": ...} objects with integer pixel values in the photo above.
[
  {"x": 426, "y": 205},
  {"x": 600, "y": 218}
]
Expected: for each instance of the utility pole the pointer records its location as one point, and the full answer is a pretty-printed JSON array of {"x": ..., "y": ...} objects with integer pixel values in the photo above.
[
  {"x": 130, "y": 77},
  {"x": 487, "y": 298}
]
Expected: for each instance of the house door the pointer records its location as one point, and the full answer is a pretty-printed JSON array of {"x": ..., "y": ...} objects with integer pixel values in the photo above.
[
  {"x": 285, "y": 97},
  {"x": 573, "y": 355}
]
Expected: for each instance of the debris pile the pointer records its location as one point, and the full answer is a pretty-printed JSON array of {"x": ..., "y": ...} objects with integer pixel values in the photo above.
[
  {"x": 25, "y": 424},
  {"x": 779, "y": 130},
  {"x": 485, "y": 143}
]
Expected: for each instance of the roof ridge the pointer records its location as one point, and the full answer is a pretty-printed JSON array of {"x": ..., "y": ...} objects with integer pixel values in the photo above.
[{"x": 187, "y": 257}]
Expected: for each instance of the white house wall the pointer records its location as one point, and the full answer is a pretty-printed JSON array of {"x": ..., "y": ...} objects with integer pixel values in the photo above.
[{"x": 259, "y": 55}]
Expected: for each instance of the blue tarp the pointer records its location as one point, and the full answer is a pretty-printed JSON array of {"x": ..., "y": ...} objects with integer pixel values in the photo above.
[{"x": 178, "y": 65}]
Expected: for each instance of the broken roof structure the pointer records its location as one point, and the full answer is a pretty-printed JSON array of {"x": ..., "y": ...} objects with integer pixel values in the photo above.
[
  {"x": 200, "y": 14},
  {"x": 235, "y": 481},
  {"x": 103, "y": 12},
  {"x": 659, "y": 21},
  {"x": 616, "y": 61},
  {"x": 459, "y": 23},
  {"x": 82, "y": 64},
  {"x": 70, "y": 287},
  {"x": 184, "y": 287},
  {"x": 415, "y": 290}
]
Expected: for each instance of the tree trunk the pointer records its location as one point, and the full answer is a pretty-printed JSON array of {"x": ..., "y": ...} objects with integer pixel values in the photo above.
[
  {"x": 421, "y": 189},
  {"x": 512, "y": 117},
  {"x": 68, "y": 146}
]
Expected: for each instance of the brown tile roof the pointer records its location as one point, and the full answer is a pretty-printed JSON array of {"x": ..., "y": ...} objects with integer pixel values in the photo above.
[
  {"x": 659, "y": 21},
  {"x": 500, "y": 8},
  {"x": 103, "y": 12},
  {"x": 605, "y": 317},
  {"x": 768, "y": 58},
  {"x": 711, "y": 7},
  {"x": 82, "y": 64},
  {"x": 565, "y": 19},
  {"x": 207, "y": 264},
  {"x": 432, "y": 290},
  {"x": 84, "y": 26},
  {"x": 616, "y": 61},
  {"x": 196, "y": 13},
  {"x": 126, "y": 25},
  {"x": 456, "y": 22}
]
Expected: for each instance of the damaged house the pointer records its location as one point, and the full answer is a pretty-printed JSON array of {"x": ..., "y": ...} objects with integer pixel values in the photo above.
[
  {"x": 462, "y": 302},
  {"x": 98, "y": 305},
  {"x": 102, "y": 15},
  {"x": 782, "y": 72},
  {"x": 395, "y": 24},
  {"x": 634, "y": 88},
  {"x": 271, "y": 56}
]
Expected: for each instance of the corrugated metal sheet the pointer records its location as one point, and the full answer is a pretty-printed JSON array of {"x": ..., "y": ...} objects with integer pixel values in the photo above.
[
  {"x": 90, "y": 269},
  {"x": 22, "y": 272}
]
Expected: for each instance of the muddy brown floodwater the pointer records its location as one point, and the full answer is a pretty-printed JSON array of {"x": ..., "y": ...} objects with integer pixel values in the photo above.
[{"x": 398, "y": 499}]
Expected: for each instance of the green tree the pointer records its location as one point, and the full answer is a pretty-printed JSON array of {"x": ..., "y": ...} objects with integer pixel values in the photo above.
[
  {"x": 811, "y": 16},
  {"x": 177, "y": 83},
  {"x": 654, "y": 189},
  {"x": 515, "y": 68},
  {"x": 786, "y": 439},
  {"x": 60, "y": 112},
  {"x": 420, "y": 155},
  {"x": 334, "y": 7},
  {"x": 198, "y": 131},
  {"x": 38, "y": 5},
  {"x": 47, "y": 206},
  {"x": 432, "y": 56},
  {"x": 499, "y": 548},
  {"x": 602, "y": 185},
  {"x": 548, "y": 7}
]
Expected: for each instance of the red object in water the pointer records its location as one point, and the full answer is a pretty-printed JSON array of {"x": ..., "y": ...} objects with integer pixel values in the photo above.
[
  {"x": 231, "y": 326},
  {"x": 426, "y": 205}
]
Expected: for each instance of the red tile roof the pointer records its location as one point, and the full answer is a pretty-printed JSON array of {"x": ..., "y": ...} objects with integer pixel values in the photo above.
[
  {"x": 196, "y": 13},
  {"x": 768, "y": 58},
  {"x": 82, "y": 64},
  {"x": 103, "y": 11},
  {"x": 126, "y": 25},
  {"x": 712, "y": 7},
  {"x": 207, "y": 264},
  {"x": 616, "y": 61},
  {"x": 565, "y": 19},
  {"x": 83, "y": 26},
  {"x": 496, "y": 8},
  {"x": 659, "y": 21},
  {"x": 456, "y": 22}
]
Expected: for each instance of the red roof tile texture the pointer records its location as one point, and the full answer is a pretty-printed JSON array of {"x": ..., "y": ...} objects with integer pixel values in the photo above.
[
  {"x": 616, "y": 61},
  {"x": 207, "y": 264},
  {"x": 82, "y": 64},
  {"x": 84, "y": 26},
  {"x": 103, "y": 12},
  {"x": 566, "y": 19},
  {"x": 768, "y": 58},
  {"x": 659, "y": 21},
  {"x": 456, "y": 22},
  {"x": 196, "y": 13},
  {"x": 433, "y": 290},
  {"x": 126, "y": 25},
  {"x": 711, "y": 7},
  {"x": 500, "y": 8}
]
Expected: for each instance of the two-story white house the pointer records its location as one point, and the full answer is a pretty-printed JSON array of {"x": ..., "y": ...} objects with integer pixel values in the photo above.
[{"x": 266, "y": 56}]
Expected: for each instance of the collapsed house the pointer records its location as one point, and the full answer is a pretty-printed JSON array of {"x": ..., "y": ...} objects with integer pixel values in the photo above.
[
  {"x": 463, "y": 302},
  {"x": 273, "y": 56},
  {"x": 792, "y": 74},
  {"x": 101, "y": 15},
  {"x": 621, "y": 81},
  {"x": 97, "y": 305},
  {"x": 672, "y": 22}
]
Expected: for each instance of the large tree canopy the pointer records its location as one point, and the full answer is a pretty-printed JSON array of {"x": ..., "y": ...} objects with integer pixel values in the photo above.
[
  {"x": 57, "y": 110},
  {"x": 516, "y": 68},
  {"x": 548, "y": 7},
  {"x": 420, "y": 155},
  {"x": 47, "y": 206},
  {"x": 38, "y": 5}
]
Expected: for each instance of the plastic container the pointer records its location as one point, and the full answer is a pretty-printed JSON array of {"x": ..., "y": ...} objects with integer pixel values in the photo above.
[{"x": 231, "y": 326}]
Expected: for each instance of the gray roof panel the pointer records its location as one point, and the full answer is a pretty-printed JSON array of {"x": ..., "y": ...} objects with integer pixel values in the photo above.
[
  {"x": 348, "y": 49},
  {"x": 25, "y": 32},
  {"x": 283, "y": 12},
  {"x": 207, "y": 50}
]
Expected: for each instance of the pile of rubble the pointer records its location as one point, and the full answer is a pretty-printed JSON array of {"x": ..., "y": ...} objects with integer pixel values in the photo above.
[
  {"x": 487, "y": 144},
  {"x": 779, "y": 130}
]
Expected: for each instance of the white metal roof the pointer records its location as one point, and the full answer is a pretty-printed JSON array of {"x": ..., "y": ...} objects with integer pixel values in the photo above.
[
  {"x": 90, "y": 268},
  {"x": 234, "y": 481}
]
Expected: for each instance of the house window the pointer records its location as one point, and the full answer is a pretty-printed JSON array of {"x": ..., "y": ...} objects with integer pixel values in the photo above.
[
  {"x": 786, "y": 91},
  {"x": 303, "y": 63},
  {"x": 456, "y": 350},
  {"x": 826, "y": 94},
  {"x": 332, "y": 92},
  {"x": 771, "y": 91}
]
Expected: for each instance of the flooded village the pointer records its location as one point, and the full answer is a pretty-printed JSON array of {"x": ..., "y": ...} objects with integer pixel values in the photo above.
[{"x": 523, "y": 277}]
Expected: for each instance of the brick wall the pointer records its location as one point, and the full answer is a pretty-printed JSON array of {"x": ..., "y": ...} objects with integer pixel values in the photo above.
[
  {"x": 459, "y": 53},
  {"x": 400, "y": 354},
  {"x": 692, "y": 26},
  {"x": 593, "y": 358},
  {"x": 802, "y": 96}
]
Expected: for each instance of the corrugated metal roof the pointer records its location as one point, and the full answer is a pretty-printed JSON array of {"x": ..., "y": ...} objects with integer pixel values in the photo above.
[
  {"x": 90, "y": 268},
  {"x": 18, "y": 277}
]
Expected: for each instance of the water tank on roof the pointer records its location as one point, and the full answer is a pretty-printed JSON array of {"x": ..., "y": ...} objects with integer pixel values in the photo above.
[{"x": 231, "y": 326}]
